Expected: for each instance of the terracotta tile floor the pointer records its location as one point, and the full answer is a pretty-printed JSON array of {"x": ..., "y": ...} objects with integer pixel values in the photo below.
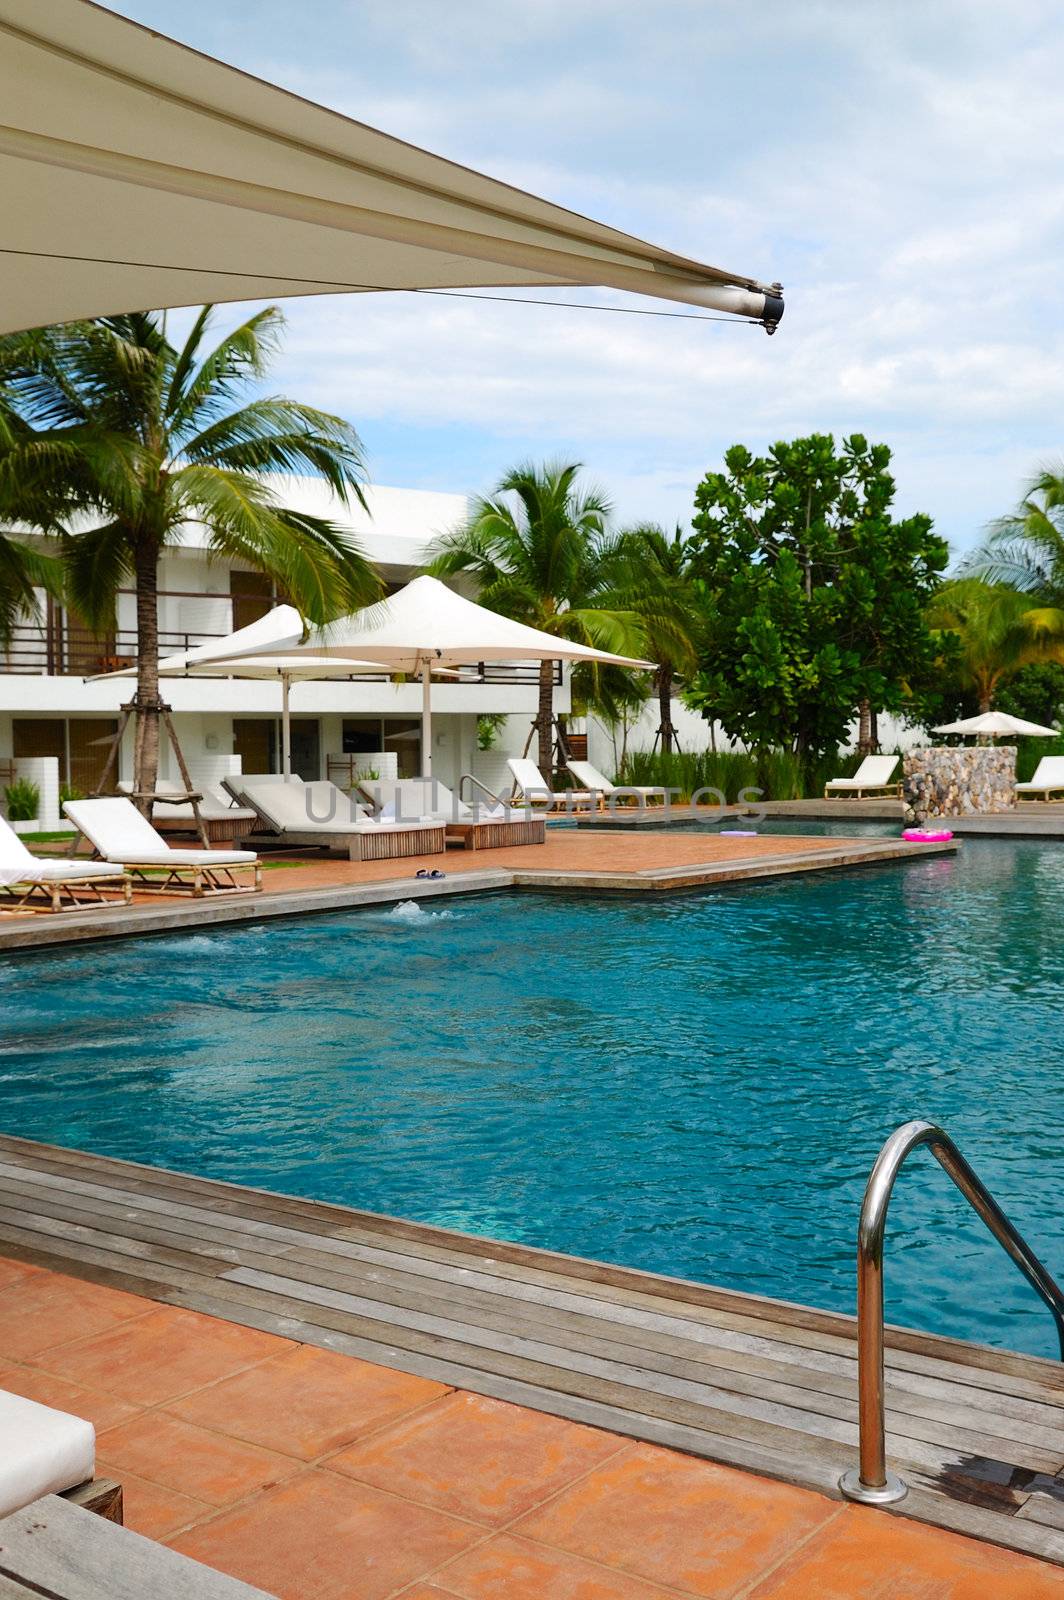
[
  {"x": 565, "y": 850},
  {"x": 319, "y": 1477}
]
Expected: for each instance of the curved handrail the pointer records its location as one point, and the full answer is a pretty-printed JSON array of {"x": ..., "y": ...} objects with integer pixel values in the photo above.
[
  {"x": 872, "y": 1482},
  {"x": 469, "y": 777}
]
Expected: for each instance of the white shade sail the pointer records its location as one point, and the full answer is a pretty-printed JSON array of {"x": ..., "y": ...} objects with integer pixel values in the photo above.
[
  {"x": 426, "y": 626},
  {"x": 426, "y": 622},
  {"x": 136, "y": 174},
  {"x": 997, "y": 724}
]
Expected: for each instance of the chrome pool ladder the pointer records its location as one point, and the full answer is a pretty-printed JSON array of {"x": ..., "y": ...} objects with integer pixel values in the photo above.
[{"x": 871, "y": 1481}]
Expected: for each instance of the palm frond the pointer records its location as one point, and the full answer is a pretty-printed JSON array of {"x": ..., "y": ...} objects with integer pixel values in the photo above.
[
  {"x": 97, "y": 564},
  {"x": 278, "y": 435},
  {"x": 318, "y": 565},
  {"x": 242, "y": 357}
]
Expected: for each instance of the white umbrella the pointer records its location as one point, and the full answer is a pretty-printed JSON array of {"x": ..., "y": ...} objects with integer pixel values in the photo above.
[
  {"x": 996, "y": 725},
  {"x": 202, "y": 661},
  {"x": 426, "y": 626}
]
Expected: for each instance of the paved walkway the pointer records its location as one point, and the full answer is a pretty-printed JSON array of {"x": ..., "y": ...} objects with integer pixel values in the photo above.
[
  {"x": 564, "y": 851},
  {"x": 320, "y": 1477}
]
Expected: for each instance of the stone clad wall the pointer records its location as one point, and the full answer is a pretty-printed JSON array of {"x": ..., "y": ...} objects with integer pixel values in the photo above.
[{"x": 955, "y": 781}]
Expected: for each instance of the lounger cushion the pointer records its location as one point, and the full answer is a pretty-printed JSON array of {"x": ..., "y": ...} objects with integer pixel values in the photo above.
[
  {"x": 41, "y": 1451},
  {"x": 213, "y": 803},
  {"x": 1049, "y": 775},
  {"x": 318, "y": 809},
  {"x": 591, "y": 778},
  {"x": 68, "y": 871},
  {"x": 118, "y": 832},
  {"x": 188, "y": 858},
  {"x": 875, "y": 772}
]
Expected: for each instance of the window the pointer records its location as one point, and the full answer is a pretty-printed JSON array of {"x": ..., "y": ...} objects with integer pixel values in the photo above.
[
  {"x": 255, "y": 742},
  {"x": 252, "y": 596},
  {"x": 81, "y": 745}
]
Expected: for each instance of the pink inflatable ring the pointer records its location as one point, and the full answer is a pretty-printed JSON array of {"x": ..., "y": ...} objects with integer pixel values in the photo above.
[{"x": 919, "y": 836}]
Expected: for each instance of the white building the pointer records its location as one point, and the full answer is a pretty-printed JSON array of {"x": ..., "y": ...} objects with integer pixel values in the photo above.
[{"x": 48, "y": 709}]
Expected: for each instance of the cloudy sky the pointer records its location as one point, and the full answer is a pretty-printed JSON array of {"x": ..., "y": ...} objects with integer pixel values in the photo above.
[{"x": 897, "y": 167}]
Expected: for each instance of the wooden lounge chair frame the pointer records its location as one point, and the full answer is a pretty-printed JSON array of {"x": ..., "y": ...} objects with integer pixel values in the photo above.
[
  {"x": 865, "y": 792},
  {"x": 477, "y": 833},
  {"x": 65, "y": 894},
  {"x": 848, "y": 788},
  {"x": 361, "y": 843},
  {"x": 1040, "y": 793},
  {"x": 200, "y": 879}
]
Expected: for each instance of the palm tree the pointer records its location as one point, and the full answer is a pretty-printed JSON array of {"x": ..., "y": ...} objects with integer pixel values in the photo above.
[
  {"x": 999, "y": 632},
  {"x": 664, "y": 596},
  {"x": 120, "y": 438},
  {"x": 541, "y": 552},
  {"x": 23, "y": 568},
  {"x": 1026, "y": 550}
]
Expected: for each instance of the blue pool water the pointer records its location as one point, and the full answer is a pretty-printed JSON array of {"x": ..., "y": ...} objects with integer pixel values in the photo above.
[{"x": 696, "y": 1085}]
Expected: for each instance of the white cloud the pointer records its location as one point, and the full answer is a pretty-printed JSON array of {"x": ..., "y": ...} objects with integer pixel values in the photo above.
[{"x": 896, "y": 166}]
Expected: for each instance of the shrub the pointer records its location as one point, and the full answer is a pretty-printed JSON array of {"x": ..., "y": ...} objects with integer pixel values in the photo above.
[
  {"x": 23, "y": 800},
  {"x": 777, "y": 773},
  {"x": 488, "y": 727}
]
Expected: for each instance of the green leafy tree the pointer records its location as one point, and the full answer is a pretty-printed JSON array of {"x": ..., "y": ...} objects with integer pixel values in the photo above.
[
  {"x": 1035, "y": 693},
  {"x": 998, "y": 633},
  {"x": 541, "y": 551},
  {"x": 814, "y": 593},
  {"x": 664, "y": 595},
  {"x": 119, "y": 438}
]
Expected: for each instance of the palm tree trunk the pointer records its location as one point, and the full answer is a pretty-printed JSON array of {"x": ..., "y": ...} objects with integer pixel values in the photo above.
[
  {"x": 864, "y": 729},
  {"x": 146, "y": 743},
  {"x": 545, "y": 720},
  {"x": 665, "y": 707}
]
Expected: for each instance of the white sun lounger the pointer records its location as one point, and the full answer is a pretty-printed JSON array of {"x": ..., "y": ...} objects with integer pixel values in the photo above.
[
  {"x": 31, "y": 884},
  {"x": 591, "y": 778},
  {"x": 319, "y": 814},
  {"x": 43, "y": 1451},
  {"x": 872, "y": 776},
  {"x": 222, "y": 818},
  {"x": 1047, "y": 781},
  {"x": 531, "y": 787},
  {"x": 117, "y": 832},
  {"x": 486, "y": 825}
]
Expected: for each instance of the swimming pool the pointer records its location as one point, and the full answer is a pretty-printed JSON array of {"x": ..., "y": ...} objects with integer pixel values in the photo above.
[{"x": 694, "y": 1085}]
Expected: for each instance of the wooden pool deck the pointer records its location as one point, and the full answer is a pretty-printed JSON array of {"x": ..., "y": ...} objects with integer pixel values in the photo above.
[
  {"x": 760, "y": 1385},
  {"x": 585, "y": 862}
]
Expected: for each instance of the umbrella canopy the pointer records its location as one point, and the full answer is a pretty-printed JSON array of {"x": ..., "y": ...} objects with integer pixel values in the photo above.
[
  {"x": 996, "y": 725},
  {"x": 137, "y": 173},
  {"x": 202, "y": 662},
  {"x": 426, "y": 626}
]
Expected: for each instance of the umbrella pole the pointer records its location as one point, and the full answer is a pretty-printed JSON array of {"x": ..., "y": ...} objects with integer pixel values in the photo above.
[
  {"x": 426, "y": 719},
  {"x": 286, "y": 726}
]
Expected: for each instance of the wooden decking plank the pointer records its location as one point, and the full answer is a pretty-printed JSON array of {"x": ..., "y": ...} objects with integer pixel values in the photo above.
[
  {"x": 758, "y": 1382},
  {"x": 981, "y": 1433},
  {"x": 701, "y": 1330},
  {"x": 823, "y": 1475},
  {"x": 808, "y": 1326},
  {"x": 1045, "y": 1508},
  {"x": 606, "y": 1275},
  {"x": 840, "y": 1344},
  {"x": 578, "y": 1369}
]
